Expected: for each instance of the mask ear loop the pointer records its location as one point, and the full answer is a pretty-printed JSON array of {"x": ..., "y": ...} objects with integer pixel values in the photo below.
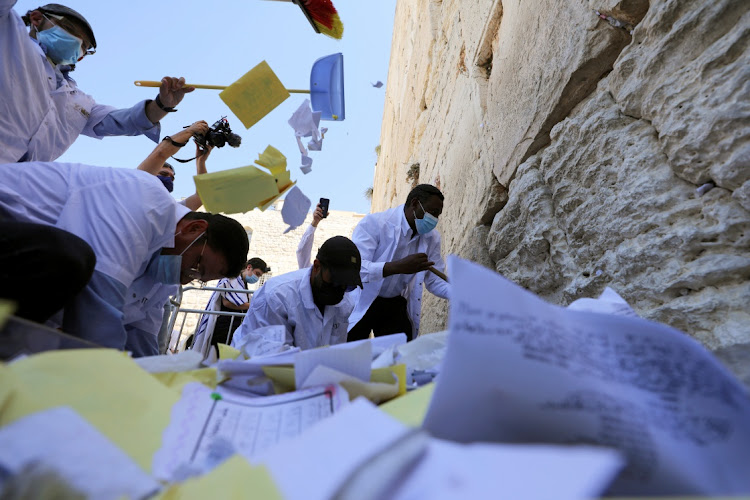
[{"x": 191, "y": 243}]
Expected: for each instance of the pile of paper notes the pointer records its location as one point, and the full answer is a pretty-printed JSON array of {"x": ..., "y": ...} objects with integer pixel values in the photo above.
[{"x": 531, "y": 400}]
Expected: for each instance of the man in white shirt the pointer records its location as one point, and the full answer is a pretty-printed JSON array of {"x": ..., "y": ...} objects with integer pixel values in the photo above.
[
  {"x": 313, "y": 304},
  {"x": 138, "y": 232},
  {"x": 398, "y": 247},
  {"x": 43, "y": 111}
]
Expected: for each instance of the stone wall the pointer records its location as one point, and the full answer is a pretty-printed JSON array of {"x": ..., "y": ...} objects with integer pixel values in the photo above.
[
  {"x": 277, "y": 249},
  {"x": 570, "y": 148}
]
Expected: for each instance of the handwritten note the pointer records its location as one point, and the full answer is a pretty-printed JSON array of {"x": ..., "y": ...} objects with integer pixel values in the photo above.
[
  {"x": 254, "y": 95},
  {"x": 205, "y": 430},
  {"x": 520, "y": 370}
]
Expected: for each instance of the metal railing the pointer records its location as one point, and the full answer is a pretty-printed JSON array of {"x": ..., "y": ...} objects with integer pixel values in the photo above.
[{"x": 176, "y": 310}]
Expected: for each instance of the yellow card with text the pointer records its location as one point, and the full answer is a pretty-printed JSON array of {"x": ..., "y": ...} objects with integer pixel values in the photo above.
[{"x": 254, "y": 95}]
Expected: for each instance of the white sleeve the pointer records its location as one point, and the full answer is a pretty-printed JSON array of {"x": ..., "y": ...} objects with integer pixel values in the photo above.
[
  {"x": 367, "y": 237},
  {"x": 304, "y": 250}
]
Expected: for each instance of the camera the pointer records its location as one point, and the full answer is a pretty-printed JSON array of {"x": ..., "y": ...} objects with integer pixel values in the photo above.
[{"x": 218, "y": 135}]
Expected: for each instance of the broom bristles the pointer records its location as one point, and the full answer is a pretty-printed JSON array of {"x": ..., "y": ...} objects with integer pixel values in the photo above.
[
  {"x": 335, "y": 31},
  {"x": 321, "y": 11}
]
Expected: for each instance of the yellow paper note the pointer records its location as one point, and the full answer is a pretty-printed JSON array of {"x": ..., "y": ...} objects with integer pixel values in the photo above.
[
  {"x": 273, "y": 160},
  {"x": 254, "y": 95},
  {"x": 234, "y": 478},
  {"x": 177, "y": 380},
  {"x": 386, "y": 375},
  {"x": 411, "y": 408},
  {"x": 228, "y": 352},
  {"x": 282, "y": 377},
  {"x": 105, "y": 387},
  {"x": 267, "y": 203},
  {"x": 237, "y": 190}
]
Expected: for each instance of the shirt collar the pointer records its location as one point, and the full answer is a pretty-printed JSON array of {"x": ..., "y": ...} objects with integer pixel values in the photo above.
[
  {"x": 405, "y": 228},
  {"x": 305, "y": 290}
]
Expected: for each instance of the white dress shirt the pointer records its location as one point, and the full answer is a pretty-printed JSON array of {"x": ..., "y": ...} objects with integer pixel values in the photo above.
[
  {"x": 287, "y": 300},
  {"x": 42, "y": 111}
]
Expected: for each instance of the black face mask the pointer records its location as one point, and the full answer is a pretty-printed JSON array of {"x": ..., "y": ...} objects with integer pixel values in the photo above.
[
  {"x": 167, "y": 181},
  {"x": 327, "y": 294}
]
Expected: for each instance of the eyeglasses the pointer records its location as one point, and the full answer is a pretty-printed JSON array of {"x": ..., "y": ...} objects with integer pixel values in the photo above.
[{"x": 194, "y": 273}]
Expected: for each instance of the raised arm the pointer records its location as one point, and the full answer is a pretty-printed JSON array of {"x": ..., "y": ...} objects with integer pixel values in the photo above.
[
  {"x": 169, "y": 146},
  {"x": 194, "y": 202}
]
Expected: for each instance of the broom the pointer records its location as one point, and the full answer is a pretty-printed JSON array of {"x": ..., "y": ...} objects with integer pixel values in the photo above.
[{"x": 322, "y": 16}]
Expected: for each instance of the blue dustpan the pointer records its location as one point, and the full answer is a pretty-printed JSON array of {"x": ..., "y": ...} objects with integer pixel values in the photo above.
[{"x": 327, "y": 87}]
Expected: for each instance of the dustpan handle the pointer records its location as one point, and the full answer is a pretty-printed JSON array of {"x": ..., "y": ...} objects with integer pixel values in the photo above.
[{"x": 151, "y": 83}]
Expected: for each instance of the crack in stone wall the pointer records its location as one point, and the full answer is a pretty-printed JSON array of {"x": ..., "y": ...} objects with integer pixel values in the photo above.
[{"x": 569, "y": 149}]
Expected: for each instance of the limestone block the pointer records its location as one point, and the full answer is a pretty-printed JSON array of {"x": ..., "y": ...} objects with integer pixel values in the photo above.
[
  {"x": 535, "y": 85},
  {"x": 688, "y": 73},
  {"x": 601, "y": 207}
]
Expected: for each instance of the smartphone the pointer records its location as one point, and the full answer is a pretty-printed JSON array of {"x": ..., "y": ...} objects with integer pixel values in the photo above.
[{"x": 324, "y": 206}]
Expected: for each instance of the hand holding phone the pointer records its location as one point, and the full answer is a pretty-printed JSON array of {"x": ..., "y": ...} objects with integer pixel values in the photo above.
[{"x": 324, "y": 206}]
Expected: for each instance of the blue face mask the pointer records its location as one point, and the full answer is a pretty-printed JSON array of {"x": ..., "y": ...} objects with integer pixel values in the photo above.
[
  {"x": 61, "y": 46},
  {"x": 167, "y": 268},
  {"x": 167, "y": 181},
  {"x": 251, "y": 278},
  {"x": 427, "y": 223}
]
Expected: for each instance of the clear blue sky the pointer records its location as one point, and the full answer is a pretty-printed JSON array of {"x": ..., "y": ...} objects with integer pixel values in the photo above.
[{"x": 216, "y": 42}]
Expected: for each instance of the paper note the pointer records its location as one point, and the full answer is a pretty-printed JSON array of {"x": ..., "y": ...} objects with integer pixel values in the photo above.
[
  {"x": 452, "y": 471},
  {"x": 233, "y": 478},
  {"x": 206, "y": 429},
  {"x": 237, "y": 190},
  {"x": 104, "y": 386},
  {"x": 306, "y": 166},
  {"x": 609, "y": 302},
  {"x": 254, "y": 95},
  {"x": 302, "y": 468},
  {"x": 353, "y": 360},
  {"x": 520, "y": 370},
  {"x": 270, "y": 201},
  {"x": 296, "y": 206},
  {"x": 272, "y": 159},
  {"x": 59, "y": 439}
]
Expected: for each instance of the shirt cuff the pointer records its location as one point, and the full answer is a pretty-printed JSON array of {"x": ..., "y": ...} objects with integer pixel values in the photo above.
[
  {"x": 377, "y": 269},
  {"x": 149, "y": 129}
]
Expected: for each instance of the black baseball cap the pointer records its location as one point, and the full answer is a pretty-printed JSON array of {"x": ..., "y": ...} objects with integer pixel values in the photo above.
[
  {"x": 341, "y": 257},
  {"x": 61, "y": 10}
]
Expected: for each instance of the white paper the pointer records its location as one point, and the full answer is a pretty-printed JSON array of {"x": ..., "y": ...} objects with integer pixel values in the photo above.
[
  {"x": 316, "y": 464},
  {"x": 295, "y": 208},
  {"x": 205, "y": 431},
  {"x": 457, "y": 471},
  {"x": 303, "y": 120},
  {"x": 180, "y": 362},
  {"x": 261, "y": 341},
  {"x": 61, "y": 440},
  {"x": 321, "y": 461},
  {"x": 520, "y": 370},
  {"x": 306, "y": 164},
  {"x": 351, "y": 359},
  {"x": 609, "y": 302}
]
